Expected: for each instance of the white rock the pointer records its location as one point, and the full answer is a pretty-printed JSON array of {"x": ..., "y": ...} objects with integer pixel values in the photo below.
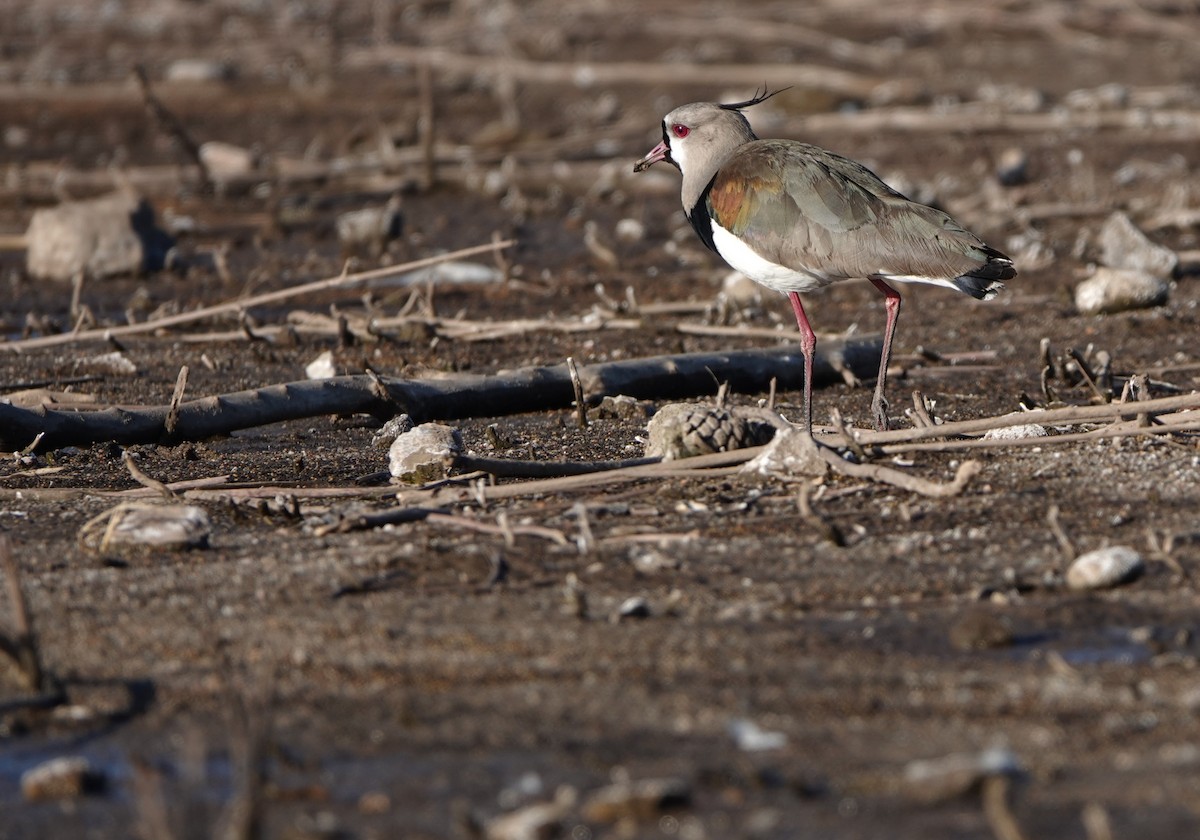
[
  {"x": 101, "y": 237},
  {"x": 371, "y": 227},
  {"x": 114, "y": 362},
  {"x": 1105, "y": 567},
  {"x": 225, "y": 161},
  {"x": 1116, "y": 290},
  {"x": 60, "y": 778},
  {"x": 424, "y": 453},
  {"x": 750, "y": 737},
  {"x": 197, "y": 70},
  {"x": 630, "y": 230},
  {"x": 321, "y": 367},
  {"x": 1029, "y": 430},
  {"x": 1123, "y": 245},
  {"x": 740, "y": 289},
  {"x": 792, "y": 452}
]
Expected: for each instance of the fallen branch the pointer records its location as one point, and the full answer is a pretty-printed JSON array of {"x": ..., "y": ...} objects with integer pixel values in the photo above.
[
  {"x": 584, "y": 74},
  {"x": 515, "y": 392},
  {"x": 343, "y": 281}
]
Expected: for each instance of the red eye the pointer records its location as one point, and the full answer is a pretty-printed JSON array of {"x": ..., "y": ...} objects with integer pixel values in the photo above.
[{"x": 680, "y": 131}]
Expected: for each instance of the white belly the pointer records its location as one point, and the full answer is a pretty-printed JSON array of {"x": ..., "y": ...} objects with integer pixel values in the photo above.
[{"x": 772, "y": 275}]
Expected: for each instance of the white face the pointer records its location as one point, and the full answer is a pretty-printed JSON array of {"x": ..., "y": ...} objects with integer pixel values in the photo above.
[{"x": 677, "y": 134}]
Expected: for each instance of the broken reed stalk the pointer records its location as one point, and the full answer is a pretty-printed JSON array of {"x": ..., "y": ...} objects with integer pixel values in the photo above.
[{"x": 342, "y": 281}]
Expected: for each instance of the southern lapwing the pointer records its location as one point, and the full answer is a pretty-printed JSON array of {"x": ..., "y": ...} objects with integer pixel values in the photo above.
[{"x": 796, "y": 217}]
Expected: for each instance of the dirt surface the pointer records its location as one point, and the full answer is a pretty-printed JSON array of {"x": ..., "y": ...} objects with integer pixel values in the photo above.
[{"x": 398, "y": 684}]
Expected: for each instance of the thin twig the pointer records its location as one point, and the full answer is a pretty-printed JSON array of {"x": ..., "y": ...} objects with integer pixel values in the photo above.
[
  {"x": 913, "y": 483},
  {"x": 341, "y": 281},
  {"x": 577, "y": 385},
  {"x": 995, "y": 807},
  {"x": 145, "y": 480},
  {"x": 1064, "y": 541},
  {"x": 23, "y": 647},
  {"x": 176, "y": 400}
]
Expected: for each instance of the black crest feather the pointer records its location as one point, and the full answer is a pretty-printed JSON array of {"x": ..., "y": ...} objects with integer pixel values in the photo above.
[{"x": 762, "y": 96}]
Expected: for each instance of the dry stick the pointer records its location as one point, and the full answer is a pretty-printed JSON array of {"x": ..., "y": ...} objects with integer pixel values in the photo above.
[
  {"x": 1045, "y": 417},
  {"x": 145, "y": 480},
  {"x": 171, "y": 124},
  {"x": 1060, "y": 534},
  {"x": 1113, "y": 431},
  {"x": 425, "y": 126},
  {"x": 1096, "y": 822},
  {"x": 342, "y": 281},
  {"x": 22, "y": 648},
  {"x": 511, "y": 392},
  {"x": 505, "y": 468},
  {"x": 995, "y": 808},
  {"x": 977, "y": 117},
  {"x": 577, "y": 387},
  {"x": 176, "y": 399},
  {"x": 585, "y": 74},
  {"x": 550, "y": 534},
  {"x": 913, "y": 483}
]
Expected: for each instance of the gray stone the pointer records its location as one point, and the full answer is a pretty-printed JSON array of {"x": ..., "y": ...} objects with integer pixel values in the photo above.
[
  {"x": 101, "y": 237},
  {"x": 391, "y": 430},
  {"x": 1117, "y": 290},
  {"x": 138, "y": 527},
  {"x": 1123, "y": 245},
  {"x": 425, "y": 453}
]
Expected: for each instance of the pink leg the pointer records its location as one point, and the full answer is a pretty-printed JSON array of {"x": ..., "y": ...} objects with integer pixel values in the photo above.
[
  {"x": 891, "y": 303},
  {"x": 808, "y": 343}
]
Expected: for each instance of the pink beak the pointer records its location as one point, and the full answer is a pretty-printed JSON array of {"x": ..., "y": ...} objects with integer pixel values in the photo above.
[{"x": 659, "y": 152}]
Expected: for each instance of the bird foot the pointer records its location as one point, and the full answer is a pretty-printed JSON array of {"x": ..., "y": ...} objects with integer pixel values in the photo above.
[{"x": 879, "y": 407}]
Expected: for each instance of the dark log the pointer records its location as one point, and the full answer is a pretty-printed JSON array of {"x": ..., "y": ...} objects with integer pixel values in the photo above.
[{"x": 513, "y": 392}]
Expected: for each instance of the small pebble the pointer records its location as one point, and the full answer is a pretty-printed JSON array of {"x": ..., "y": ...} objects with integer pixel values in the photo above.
[
  {"x": 630, "y": 230},
  {"x": 61, "y": 778},
  {"x": 321, "y": 367},
  {"x": 1116, "y": 290},
  {"x": 1012, "y": 169},
  {"x": 371, "y": 227},
  {"x": 740, "y": 289},
  {"x": 1105, "y": 567},
  {"x": 749, "y": 737},
  {"x": 197, "y": 70},
  {"x": 226, "y": 162},
  {"x": 391, "y": 430},
  {"x": 633, "y": 607}
]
